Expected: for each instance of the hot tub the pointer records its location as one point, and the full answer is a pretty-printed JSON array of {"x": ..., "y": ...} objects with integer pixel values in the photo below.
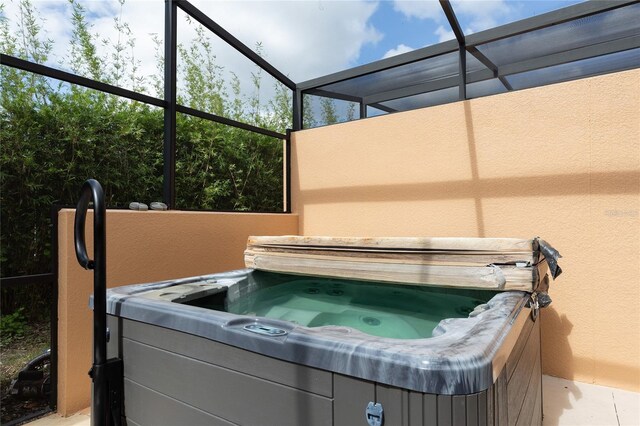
[{"x": 260, "y": 348}]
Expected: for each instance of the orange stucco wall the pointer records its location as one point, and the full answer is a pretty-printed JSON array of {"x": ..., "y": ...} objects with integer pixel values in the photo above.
[
  {"x": 560, "y": 161},
  {"x": 143, "y": 247}
]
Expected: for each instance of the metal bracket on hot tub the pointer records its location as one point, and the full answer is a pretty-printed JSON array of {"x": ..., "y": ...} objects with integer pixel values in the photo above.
[
  {"x": 534, "y": 305},
  {"x": 374, "y": 414}
]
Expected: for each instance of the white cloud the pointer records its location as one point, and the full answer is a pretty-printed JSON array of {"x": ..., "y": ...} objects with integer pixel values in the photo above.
[
  {"x": 444, "y": 34},
  {"x": 54, "y": 17},
  {"x": 302, "y": 39},
  {"x": 482, "y": 14},
  {"x": 474, "y": 15},
  {"x": 421, "y": 9},
  {"x": 401, "y": 48}
]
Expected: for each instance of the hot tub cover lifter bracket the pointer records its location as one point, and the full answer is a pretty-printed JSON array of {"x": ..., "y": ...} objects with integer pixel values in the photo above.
[
  {"x": 112, "y": 373},
  {"x": 551, "y": 255}
]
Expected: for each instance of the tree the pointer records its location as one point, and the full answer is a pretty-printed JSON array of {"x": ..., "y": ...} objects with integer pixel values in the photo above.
[
  {"x": 328, "y": 111},
  {"x": 56, "y": 135}
]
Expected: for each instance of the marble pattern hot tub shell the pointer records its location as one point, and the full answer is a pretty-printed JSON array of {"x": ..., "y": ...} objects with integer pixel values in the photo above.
[{"x": 469, "y": 363}]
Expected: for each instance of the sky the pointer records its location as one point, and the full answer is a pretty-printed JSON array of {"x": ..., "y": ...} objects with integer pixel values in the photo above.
[{"x": 303, "y": 39}]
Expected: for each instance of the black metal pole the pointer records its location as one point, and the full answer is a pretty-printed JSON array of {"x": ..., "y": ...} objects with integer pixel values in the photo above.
[
  {"x": 287, "y": 172},
  {"x": 297, "y": 110},
  {"x": 462, "y": 48},
  {"x": 462, "y": 92},
  {"x": 170, "y": 66},
  {"x": 92, "y": 191}
]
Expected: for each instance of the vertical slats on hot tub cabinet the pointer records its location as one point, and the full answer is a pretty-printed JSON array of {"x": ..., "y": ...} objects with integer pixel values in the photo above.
[
  {"x": 521, "y": 343},
  {"x": 471, "y": 415},
  {"x": 510, "y": 401},
  {"x": 395, "y": 402},
  {"x": 483, "y": 408},
  {"x": 444, "y": 410},
  {"x": 528, "y": 415},
  {"x": 440, "y": 410},
  {"x": 351, "y": 397},
  {"x": 459, "y": 410},
  {"x": 500, "y": 400},
  {"x": 491, "y": 409},
  {"x": 416, "y": 414},
  {"x": 430, "y": 407},
  {"x": 522, "y": 385},
  {"x": 538, "y": 407}
]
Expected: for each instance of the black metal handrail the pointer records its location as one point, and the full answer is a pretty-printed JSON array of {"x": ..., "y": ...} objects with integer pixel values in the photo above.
[{"x": 105, "y": 374}]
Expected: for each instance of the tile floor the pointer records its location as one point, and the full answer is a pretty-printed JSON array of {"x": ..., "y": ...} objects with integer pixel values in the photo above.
[
  {"x": 81, "y": 418},
  {"x": 566, "y": 403},
  {"x": 576, "y": 403}
]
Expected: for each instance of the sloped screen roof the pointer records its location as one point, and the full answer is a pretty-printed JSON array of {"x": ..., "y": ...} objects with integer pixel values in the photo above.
[{"x": 578, "y": 41}]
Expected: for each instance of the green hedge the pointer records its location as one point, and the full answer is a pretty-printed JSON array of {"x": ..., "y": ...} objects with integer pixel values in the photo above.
[{"x": 55, "y": 135}]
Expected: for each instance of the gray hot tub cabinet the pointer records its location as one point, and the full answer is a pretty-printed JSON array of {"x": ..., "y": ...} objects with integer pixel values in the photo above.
[{"x": 173, "y": 377}]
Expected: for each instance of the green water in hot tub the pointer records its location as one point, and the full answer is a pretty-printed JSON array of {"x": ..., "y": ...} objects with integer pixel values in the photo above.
[{"x": 379, "y": 309}]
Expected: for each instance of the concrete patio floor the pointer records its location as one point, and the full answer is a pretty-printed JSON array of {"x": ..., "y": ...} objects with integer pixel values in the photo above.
[
  {"x": 576, "y": 403},
  {"x": 566, "y": 403}
]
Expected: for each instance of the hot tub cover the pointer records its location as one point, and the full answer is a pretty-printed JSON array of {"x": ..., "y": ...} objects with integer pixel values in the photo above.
[{"x": 487, "y": 263}]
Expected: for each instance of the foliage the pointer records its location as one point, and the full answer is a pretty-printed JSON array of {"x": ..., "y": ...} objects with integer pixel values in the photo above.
[
  {"x": 328, "y": 111},
  {"x": 12, "y": 325},
  {"x": 15, "y": 353},
  {"x": 56, "y": 135},
  {"x": 322, "y": 111}
]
